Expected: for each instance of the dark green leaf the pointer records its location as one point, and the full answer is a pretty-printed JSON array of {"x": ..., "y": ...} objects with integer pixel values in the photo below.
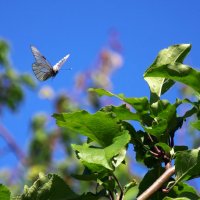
[{"x": 180, "y": 148}]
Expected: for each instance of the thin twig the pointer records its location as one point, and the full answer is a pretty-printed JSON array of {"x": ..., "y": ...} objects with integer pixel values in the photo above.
[
  {"x": 153, "y": 153},
  {"x": 157, "y": 184},
  {"x": 120, "y": 187},
  {"x": 155, "y": 147},
  {"x": 12, "y": 144},
  {"x": 111, "y": 196}
]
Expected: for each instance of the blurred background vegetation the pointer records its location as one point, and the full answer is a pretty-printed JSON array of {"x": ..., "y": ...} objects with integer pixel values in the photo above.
[{"x": 49, "y": 149}]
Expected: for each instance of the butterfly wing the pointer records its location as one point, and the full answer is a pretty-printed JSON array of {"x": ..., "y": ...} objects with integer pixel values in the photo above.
[
  {"x": 58, "y": 65},
  {"x": 41, "y": 68},
  {"x": 41, "y": 72}
]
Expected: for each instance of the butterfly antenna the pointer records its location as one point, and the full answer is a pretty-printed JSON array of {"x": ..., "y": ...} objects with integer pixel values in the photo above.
[{"x": 66, "y": 69}]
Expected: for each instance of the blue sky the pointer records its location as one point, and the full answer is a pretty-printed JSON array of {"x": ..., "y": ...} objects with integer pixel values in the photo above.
[{"x": 82, "y": 29}]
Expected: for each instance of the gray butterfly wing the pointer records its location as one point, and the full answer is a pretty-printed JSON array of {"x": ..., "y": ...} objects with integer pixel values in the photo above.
[
  {"x": 41, "y": 72},
  {"x": 41, "y": 67}
]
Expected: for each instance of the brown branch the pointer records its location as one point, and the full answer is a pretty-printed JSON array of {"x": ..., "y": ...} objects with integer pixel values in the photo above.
[
  {"x": 157, "y": 184},
  {"x": 12, "y": 144}
]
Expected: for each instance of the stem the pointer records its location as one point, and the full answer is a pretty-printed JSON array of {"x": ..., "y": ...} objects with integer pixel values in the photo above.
[
  {"x": 111, "y": 196},
  {"x": 157, "y": 184},
  {"x": 153, "y": 153},
  {"x": 120, "y": 187},
  {"x": 155, "y": 147}
]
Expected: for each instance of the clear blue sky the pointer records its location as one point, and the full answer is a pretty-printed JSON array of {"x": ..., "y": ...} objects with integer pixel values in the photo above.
[{"x": 81, "y": 28}]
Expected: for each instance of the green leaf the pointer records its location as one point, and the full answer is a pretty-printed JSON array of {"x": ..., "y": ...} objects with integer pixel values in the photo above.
[
  {"x": 158, "y": 128},
  {"x": 164, "y": 146},
  {"x": 99, "y": 159},
  {"x": 177, "y": 72},
  {"x": 165, "y": 122},
  {"x": 100, "y": 127},
  {"x": 93, "y": 158},
  {"x": 185, "y": 190},
  {"x": 101, "y": 92},
  {"x": 131, "y": 193},
  {"x": 187, "y": 164},
  {"x": 122, "y": 112},
  {"x": 159, "y": 106},
  {"x": 180, "y": 148},
  {"x": 159, "y": 85},
  {"x": 50, "y": 187},
  {"x": 139, "y": 104},
  {"x": 4, "y": 192}
]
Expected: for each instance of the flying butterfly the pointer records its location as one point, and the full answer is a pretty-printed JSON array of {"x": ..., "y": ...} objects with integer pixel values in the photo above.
[{"x": 41, "y": 67}]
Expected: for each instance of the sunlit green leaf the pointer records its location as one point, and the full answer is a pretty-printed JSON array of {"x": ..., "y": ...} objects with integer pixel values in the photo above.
[
  {"x": 160, "y": 84},
  {"x": 139, "y": 104},
  {"x": 100, "y": 127},
  {"x": 177, "y": 72},
  {"x": 101, "y": 92},
  {"x": 99, "y": 159}
]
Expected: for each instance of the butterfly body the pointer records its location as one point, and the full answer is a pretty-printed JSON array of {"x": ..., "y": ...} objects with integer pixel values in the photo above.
[{"x": 41, "y": 67}]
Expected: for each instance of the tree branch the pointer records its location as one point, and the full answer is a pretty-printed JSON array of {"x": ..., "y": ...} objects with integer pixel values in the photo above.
[
  {"x": 12, "y": 144},
  {"x": 157, "y": 184}
]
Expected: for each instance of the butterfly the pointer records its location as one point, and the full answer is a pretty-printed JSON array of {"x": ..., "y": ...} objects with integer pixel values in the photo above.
[{"x": 41, "y": 67}]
